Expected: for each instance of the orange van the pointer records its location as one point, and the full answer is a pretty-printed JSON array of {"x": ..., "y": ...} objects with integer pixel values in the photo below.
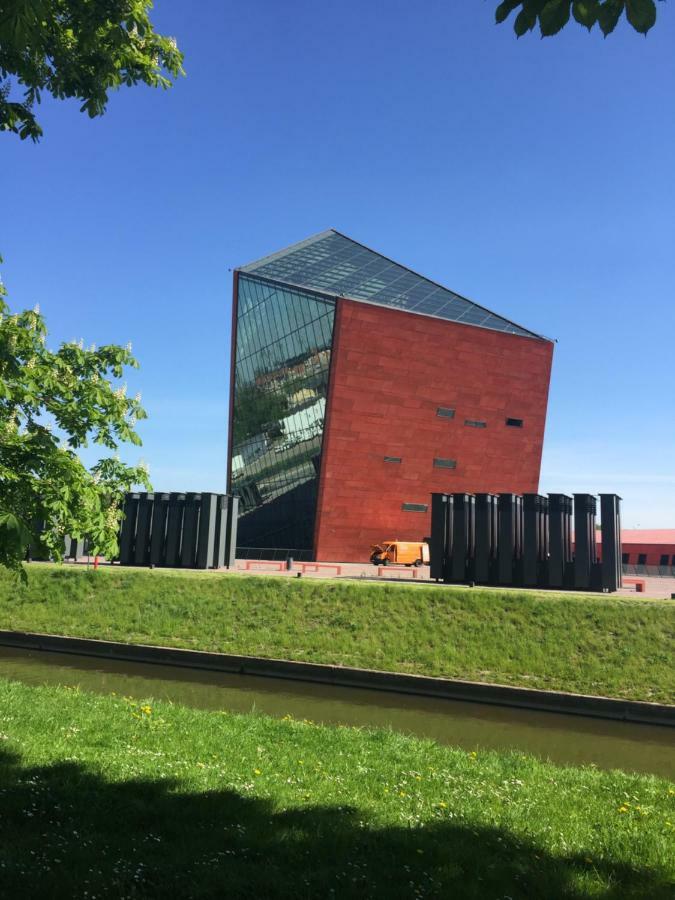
[{"x": 405, "y": 553}]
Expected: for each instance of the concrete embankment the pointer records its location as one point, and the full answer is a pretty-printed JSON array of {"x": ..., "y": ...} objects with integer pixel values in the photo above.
[{"x": 451, "y": 689}]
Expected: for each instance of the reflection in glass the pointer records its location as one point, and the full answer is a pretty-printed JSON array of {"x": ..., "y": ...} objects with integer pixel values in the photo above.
[{"x": 281, "y": 379}]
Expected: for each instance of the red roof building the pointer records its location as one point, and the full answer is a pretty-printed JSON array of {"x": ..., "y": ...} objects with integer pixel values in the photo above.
[{"x": 648, "y": 547}]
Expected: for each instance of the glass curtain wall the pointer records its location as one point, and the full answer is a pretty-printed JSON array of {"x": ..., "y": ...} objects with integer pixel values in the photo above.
[{"x": 280, "y": 386}]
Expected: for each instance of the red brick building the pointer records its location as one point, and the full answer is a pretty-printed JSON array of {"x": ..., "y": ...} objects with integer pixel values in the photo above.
[
  {"x": 417, "y": 390},
  {"x": 648, "y": 547}
]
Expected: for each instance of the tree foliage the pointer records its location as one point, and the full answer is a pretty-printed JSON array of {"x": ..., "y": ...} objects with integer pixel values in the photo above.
[
  {"x": 553, "y": 15},
  {"x": 51, "y": 404},
  {"x": 77, "y": 49}
]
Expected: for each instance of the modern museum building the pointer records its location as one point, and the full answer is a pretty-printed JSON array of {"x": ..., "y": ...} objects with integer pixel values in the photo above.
[{"x": 359, "y": 388}]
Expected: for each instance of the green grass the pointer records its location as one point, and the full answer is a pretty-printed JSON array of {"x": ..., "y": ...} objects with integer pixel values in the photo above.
[
  {"x": 596, "y": 644},
  {"x": 105, "y": 797}
]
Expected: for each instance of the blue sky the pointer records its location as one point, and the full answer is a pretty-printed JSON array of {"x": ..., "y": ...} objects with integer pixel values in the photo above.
[{"x": 535, "y": 177}]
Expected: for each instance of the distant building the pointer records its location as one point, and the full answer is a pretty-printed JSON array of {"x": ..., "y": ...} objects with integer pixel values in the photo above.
[
  {"x": 649, "y": 547},
  {"x": 363, "y": 388}
]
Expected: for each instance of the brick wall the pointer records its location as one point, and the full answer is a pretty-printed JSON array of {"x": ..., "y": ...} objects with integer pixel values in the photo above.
[
  {"x": 654, "y": 554},
  {"x": 390, "y": 371}
]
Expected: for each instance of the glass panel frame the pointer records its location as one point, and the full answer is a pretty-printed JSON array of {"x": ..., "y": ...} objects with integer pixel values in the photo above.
[{"x": 334, "y": 264}]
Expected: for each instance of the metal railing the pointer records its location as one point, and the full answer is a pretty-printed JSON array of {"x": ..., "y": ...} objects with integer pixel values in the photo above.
[
  {"x": 275, "y": 554},
  {"x": 651, "y": 571}
]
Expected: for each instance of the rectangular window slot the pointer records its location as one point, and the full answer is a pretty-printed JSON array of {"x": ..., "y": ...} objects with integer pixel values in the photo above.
[
  {"x": 664, "y": 559},
  {"x": 625, "y": 558},
  {"x": 515, "y": 423},
  {"x": 475, "y": 423},
  {"x": 414, "y": 507},
  {"x": 445, "y": 412},
  {"x": 440, "y": 463},
  {"x": 642, "y": 559},
  {"x": 392, "y": 459}
]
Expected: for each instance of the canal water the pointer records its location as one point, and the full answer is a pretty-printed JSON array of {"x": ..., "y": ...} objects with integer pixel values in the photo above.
[{"x": 564, "y": 739}]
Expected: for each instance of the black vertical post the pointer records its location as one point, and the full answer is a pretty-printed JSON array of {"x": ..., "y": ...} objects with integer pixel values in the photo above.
[
  {"x": 544, "y": 540},
  {"x": 207, "y": 532},
  {"x": 560, "y": 538},
  {"x": 221, "y": 531},
  {"x": 535, "y": 538},
  {"x": 585, "y": 508},
  {"x": 160, "y": 513},
  {"x": 188, "y": 550},
  {"x": 463, "y": 536},
  {"x": 518, "y": 531},
  {"x": 231, "y": 537},
  {"x": 610, "y": 520},
  {"x": 174, "y": 529},
  {"x": 486, "y": 537},
  {"x": 76, "y": 549},
  {"x": 530, "y": 539},
  {"x": 36, "y": 549},
  {"x": 143, "y": 525},
  {"x": 438, "y": 545},
  {"x": 128, "y": 530},
  {"x": 510, "y": 537}
]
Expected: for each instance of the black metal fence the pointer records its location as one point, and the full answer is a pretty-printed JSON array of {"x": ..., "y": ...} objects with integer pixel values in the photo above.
[
  {"x": 526, "y": 541},
  {"x": 274, "y": 553},
  {"x": 189, "y": 531}
]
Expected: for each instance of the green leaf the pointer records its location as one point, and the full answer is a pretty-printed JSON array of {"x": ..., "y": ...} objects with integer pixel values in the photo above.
[
  {"x": 609, "y": 14},
  {"x": 505, "y": 9},
  {"x": 525, "y": 21},
  {"x": 585, "y": 12},
  {"x": 554, "y": 16},
  {"x": 641, "y": 14},
  {"x": 15, "y": 536}
]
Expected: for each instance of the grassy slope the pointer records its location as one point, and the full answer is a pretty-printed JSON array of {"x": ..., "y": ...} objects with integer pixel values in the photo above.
[
  {"x": 591, "y": 644},
  {"x": 114, "y": 798}
]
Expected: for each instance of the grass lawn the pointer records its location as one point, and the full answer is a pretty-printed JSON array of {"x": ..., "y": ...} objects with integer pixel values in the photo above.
[
  {"x": 105, "y": 797},
  {"x": 595, "y": 644}
]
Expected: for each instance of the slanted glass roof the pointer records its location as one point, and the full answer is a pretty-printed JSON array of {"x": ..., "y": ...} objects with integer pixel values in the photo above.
[{"x": 333, "y": 264}]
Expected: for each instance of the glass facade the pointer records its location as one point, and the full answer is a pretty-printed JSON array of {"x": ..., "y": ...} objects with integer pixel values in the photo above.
[
  {"x": 282, "y": 359},
  {"x": 334, "y": 264}
]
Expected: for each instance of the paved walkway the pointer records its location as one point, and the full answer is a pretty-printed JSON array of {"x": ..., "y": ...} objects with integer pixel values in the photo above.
[{"x": 656, "y": 587}]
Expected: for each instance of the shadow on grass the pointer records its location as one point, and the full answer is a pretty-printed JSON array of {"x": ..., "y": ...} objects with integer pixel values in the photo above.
[{"x": 66, "y": 832}]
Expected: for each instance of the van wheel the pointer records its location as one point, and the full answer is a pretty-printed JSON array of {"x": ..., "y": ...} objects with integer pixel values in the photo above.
[{"x": 418, "y": 563}]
